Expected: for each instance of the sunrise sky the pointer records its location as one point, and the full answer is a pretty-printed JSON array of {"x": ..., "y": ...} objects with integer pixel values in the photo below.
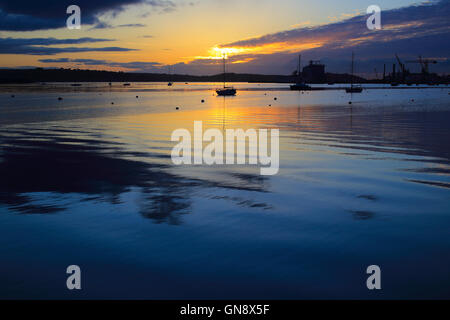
[{"x": 260, "y": 36}]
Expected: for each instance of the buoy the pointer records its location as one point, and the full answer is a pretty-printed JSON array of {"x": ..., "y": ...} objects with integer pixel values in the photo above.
[
  {"x": 177, "y": 108},
  {"x": 59, "y": 98},
  {"x": 203, "y": 101},
  {"x": 137, "y": 97},
  {"x": 12, "y": 96},
  {"x": 112, "y": 102},
  {"x": 270, "y": 105},
  {"x": 274, "y": 98},
  {"x": 349, "y": 102},
  {"x": 412, "y": 100}
]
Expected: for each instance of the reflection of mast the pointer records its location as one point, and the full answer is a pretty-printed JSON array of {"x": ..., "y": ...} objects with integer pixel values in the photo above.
[{"x": 224, "y": 115}]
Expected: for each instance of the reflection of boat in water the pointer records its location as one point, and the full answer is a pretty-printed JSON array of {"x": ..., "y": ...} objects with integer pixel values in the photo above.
[
  {"x": 353, "y": 88},
  {"x": 300, "y": 85},
  {"x": 225, "y": 91}
]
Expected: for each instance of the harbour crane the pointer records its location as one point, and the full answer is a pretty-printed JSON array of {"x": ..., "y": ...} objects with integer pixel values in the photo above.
[
  {"x": 424, "y": 63},
  {"x": 402, "y": 67}
]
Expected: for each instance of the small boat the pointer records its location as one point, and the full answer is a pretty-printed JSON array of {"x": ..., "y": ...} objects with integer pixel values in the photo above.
[
  {"x": 300, "y": 85},
  {"x": 353, "y": 88},
  {"x": 76, "y": 84},
  {"x": 170, "y": 76},
  {"x": 394, "y": 84},
  {"x": 127, "y": 84},
  {"x": 225, "y": 91}
]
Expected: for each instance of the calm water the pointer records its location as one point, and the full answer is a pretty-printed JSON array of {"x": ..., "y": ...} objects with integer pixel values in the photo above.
[{"x": 89, "y": 183}]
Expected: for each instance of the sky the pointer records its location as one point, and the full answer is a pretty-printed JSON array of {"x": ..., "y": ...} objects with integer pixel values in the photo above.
[{"x": 191, "y": 36}]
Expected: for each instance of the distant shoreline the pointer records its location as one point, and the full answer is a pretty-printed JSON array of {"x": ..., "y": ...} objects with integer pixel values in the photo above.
[
  {"x": 40, "y": 75},
  {"x": 73, "y": 76}
]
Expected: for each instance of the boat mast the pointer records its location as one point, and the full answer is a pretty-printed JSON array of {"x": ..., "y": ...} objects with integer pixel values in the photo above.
[
  {"x": 299, "y": 68},
  {"x": 353, "y": 57},
  {"x": 224, "y": 71}
]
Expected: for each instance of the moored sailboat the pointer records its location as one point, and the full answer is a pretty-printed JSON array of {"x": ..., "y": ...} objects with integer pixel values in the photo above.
[
  {"x": 300, "y": 85},
  {"x": 170, "y": 78},
  {"x": 353, "y": 88},
  {"x": 225, "y": 91}
]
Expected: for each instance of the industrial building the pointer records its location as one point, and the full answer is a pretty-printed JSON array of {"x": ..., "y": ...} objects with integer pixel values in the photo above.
[{"x": 314, "y": 72}]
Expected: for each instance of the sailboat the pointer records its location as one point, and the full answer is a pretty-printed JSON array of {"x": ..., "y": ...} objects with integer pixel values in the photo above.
[
  {"x": 300, "y": 85},
  {"x": 225, "y": 91},
  {"x": 170, "y": 76},
  {"x": 353, "y": 88}
]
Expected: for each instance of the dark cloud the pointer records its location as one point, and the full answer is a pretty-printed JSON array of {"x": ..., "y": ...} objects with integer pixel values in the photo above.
[
  {"x": 47, "y": 41},
  {"x": 132, "y": 25},
  {"x": 41, "y": 46},
  {"x": 28, "y": 15},
  {"x": 18, "y": 22},
  {"x": 104, "y": 25},
  {"x": 411, "y": 21},
  {"x": 410, "y": 31}
]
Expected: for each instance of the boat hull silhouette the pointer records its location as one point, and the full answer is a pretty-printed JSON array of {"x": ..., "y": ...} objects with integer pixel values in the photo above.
[
  {"x": 300, "y": 87},
  {"x": 226, "y": 92},
  {"x": 354, "y": 90}
]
